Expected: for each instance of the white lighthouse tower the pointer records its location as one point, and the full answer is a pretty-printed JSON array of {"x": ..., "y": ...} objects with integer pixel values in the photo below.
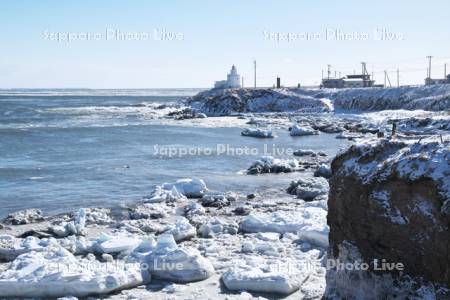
[{"x": 233, "y": 80}]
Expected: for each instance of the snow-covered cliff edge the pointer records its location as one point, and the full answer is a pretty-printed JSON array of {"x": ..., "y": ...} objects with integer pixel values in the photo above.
[
  {"x": 389, "y": 199},
  {"x": 230, "y": 101}
]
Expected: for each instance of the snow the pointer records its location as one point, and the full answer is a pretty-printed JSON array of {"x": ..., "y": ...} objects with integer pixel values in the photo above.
[
  {"x": 408, "y": 159},
  {"x": 98, "y": 216},
  {"x": 170, "y": 262},
  {"x": 57, "y": 273},
  {"x": 182, "y": 229},
  {"x": 150, "y": 211},
  {"x": 75, "y": 227},
  {"x": 259, "y": 281},
  {"x": 217, "y": 226},
  {"x": 192, "y": 210},
  {"x": 11, "y": 247},
  {"x": 190, "y": 188},
  {"x": 26, "y": 216},
  {"x": 383, "y": 198},
  {"x": 257, "y": 132},
  {"x": 323, "y": 171},
  {"x": 303, "y": 129},
  {"x": 161, "y": 194},
  {"x": 308, "y": 222},
  {"x": 116, "y": 243},
  {"x": 141, "y": 226}
]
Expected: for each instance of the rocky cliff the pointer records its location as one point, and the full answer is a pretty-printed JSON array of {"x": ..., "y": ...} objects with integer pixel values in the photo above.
[
  {"x": 390, "y": 200},
  {"x": 229, "y": 101}
]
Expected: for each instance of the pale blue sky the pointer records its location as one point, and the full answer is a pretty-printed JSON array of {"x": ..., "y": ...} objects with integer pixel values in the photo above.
[{"x": 216, "y": 34}]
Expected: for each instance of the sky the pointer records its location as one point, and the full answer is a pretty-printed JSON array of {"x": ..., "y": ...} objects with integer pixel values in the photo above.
[{"x": 119, "y": 44}]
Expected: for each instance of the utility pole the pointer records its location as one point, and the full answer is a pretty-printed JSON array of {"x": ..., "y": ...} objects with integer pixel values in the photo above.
[
  {"x": 398, "y": 77},
  {"x": 242, "y": 82},
  {"x": 254, "y": 62},
  {"x": 386, "y": 77},
  {"x": 445, "y": 71},
  {"x": 329, "y": 71},
  {"x": 429, "y": 65},
  {"x": 364, "y": 69}
]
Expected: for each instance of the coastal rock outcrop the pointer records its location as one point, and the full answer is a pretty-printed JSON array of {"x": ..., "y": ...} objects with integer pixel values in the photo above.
[
  {"x": 390, "y": 199},
  {"x": 231, "y": 101}
]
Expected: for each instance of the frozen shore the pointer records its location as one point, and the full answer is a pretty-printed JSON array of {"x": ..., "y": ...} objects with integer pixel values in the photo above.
[{"x": 187, "y": 241}]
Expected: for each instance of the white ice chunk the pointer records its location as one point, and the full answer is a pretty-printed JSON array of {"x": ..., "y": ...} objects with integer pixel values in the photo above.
[
  {"x": 259, "y": 281},
  {"x": 300, "y": 130},
  {"x": 57, "y": 273},
  {"x": 258, "y": 132},
  {"x": 170, "y": 262},
  {"x": 308, "y": 222},
  {"x": 116, "y": 244},
  {"x": 182, "y": 230},
  {"x": 191, "y": 188}
]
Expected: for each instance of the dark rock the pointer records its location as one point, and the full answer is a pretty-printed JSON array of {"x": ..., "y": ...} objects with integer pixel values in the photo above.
[
  {"x": 218, "y": 200},
  {"x": 251, "y": 196},
  {"x": 186, "y": 113},
  {"x": 35, "y": 233},
  {"x": 242, "y": 210},
  {"x": 388, "y": 198}
]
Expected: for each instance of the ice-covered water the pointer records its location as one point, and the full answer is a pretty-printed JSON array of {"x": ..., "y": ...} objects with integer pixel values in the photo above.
[{"x": 63, "y": 149}]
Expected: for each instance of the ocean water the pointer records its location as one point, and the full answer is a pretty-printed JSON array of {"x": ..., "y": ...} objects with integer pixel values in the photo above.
[{"x": 64, "y": 149}]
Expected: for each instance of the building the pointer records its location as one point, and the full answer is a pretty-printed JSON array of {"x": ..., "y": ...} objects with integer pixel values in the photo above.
[
  {"x": 233, "y": 80},
  {"x": 362, "y": 80},
  {"x": 350, "y": 81},
  {"x": 431, "y": 81},
  {"x": 333, "y": 83}
]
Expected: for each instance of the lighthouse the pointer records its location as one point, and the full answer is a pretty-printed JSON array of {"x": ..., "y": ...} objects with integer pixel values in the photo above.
[{"x": 233, "y": 80}]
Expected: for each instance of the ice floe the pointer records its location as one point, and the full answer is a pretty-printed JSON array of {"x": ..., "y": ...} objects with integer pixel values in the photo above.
[
  {"x": 302, "y": 129},
  {"x": 170, "y": 262},
  {"x": 75, "y": 227},
  {"x": 190, "y": 188},
  {"x": 258, "y": 133},
  {"x": 182, "y": 229},
  {"x": 57, "y": 273},
  {"x": 259, "y": 281}
]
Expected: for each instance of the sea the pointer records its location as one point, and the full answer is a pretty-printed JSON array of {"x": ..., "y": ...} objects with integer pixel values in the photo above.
[{"x": 61, "y": 149}]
